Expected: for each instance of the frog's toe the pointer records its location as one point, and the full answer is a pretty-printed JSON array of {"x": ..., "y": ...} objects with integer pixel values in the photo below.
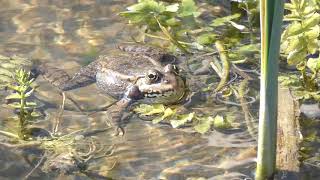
[{"x": 119, "y": 131}]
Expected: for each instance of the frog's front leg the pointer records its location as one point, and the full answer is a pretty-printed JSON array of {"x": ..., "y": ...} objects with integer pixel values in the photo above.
[{"x": 117, "y": 111}]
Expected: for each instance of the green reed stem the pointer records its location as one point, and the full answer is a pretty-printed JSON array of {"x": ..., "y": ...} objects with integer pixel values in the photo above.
[{"x": 271, "y": 14}]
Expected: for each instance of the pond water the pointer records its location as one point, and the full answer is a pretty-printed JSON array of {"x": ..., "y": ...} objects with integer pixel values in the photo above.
[{"x": 69, "y": 34}]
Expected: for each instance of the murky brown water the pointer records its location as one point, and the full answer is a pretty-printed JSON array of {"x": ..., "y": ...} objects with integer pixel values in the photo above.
[{"x": 71, "y": 33}]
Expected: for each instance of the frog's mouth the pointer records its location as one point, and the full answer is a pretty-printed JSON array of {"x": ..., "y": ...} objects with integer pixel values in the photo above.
[{"x": 162, "y": 93}]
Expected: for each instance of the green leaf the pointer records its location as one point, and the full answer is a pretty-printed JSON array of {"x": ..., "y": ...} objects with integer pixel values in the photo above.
[
  {"x": 172, "y": 22},
  {"x": 204, "y": 125},
  {"x": 177, "y": 123},
  {"x": 206, "y": 39},
  {"x": 15, "y": 105},
  {"x": 31, "y": 104},
  {"x": 157, "y": 120},
  {"x": 35, "y": 114},
  {"x": 182, "y": 119},
  {"x": 296, "y": 56},
  {"x": 289, "y": 6},
  {"x": 222, "y": 21},
  {"x": 311, "y": 21},
  {"x": 14, "y": 96},
  {"x": 172, "y": 7},
  {"x": 313, "y": 64},
  {"x": 238, "y": 26},
  {"x": 294, "y": 43},
  {"x": 13, "y": 87},
  {"x": 289, "y": 80},
  {"x": 147, "y": 6},
  {"x": 146, "y": 109},
  {"x": 244, "y": 49},
  {"x": 311, "y": 137},
  {"x": 313, "y": 33},
  {"x": 312, "y": 46},
  {"x": 220, "y": 122},
  {"x": 188, "y": 8},
  {"x": 291, "y": 30},
  {"x": 143, "y": 13},
  {"x": 167, "y": 113},
  {"x": 296, "y": 28},
  {"x": 29, "y": 93}
]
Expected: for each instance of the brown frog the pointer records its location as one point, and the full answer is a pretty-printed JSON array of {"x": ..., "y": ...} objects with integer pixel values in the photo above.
[{"x": 140, "y": 74}]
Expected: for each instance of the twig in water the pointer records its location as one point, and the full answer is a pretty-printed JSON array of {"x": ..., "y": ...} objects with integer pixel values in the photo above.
[
  {"x": 59, "y": 116},
  {"x": 22, "y": 145},
  {"x": 9, "y": 134},
  {"x": 35, "y": 167}
]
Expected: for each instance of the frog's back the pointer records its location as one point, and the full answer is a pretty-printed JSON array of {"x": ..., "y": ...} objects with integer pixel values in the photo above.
[
  {"x": 127, "y": 64},
  {"x": 116, "y": 72}
]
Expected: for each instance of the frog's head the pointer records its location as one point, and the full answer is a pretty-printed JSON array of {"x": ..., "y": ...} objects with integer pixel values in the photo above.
[{"x": 165, "y": 86}]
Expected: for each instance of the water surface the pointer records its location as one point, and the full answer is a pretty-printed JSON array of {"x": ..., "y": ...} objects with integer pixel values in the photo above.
[{"x": 69, "y": 34}]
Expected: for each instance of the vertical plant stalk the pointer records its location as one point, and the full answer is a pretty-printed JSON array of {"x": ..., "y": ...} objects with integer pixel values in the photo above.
[
  {"x": 252, "y": 129},
  {"x": 271, "y": 14},
  {"x": 225, "y": 66},
  {"x": 22, "y": 115},
  {"x": 171, "y": 39},
  {"x": 60, "y": 113}
]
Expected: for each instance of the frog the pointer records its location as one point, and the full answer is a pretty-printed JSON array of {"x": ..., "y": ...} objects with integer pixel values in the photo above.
[{"x": 137, "y": 74}]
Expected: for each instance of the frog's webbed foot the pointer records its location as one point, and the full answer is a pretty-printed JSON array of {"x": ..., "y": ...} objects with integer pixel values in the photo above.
[
  {"x": 119, "y": 131},
  {"x": 117, "y": 111}
]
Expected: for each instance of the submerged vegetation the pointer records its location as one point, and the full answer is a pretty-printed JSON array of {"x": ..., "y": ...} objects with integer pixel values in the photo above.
[
  {"x": 22, "y": 90},
  {"x": 300, "y": 46},
  {"x": 201, "y": 124},
  {"x": 186, "y": 27},
  {"x": 64, "y": 154}
]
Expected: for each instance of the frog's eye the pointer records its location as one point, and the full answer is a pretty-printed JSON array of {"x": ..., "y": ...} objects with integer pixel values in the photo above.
[{"x": 152, "y": 75}]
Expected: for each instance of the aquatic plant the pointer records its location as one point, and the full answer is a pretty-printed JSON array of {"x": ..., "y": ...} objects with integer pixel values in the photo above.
[
  {"x": 66, "y": 154},
  {"x": 271, "y": 22},
  {"x": 200, "y": 123},
  {"x": 167, "y": 18},
  {"x": 181, "y": 25},
  {"x": 12, "y": 76},
  {"x": 300, "y": 43},
  {"x": 22, "y": 90}
]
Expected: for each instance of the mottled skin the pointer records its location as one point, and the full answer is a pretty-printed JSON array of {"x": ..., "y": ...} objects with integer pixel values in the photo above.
[{"x": 142, "y": 74}]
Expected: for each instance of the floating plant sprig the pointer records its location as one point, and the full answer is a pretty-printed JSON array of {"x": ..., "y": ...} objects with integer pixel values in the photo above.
[
  {"x": 200, "y": 123},
  {"x": 22, "y": 90}
]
